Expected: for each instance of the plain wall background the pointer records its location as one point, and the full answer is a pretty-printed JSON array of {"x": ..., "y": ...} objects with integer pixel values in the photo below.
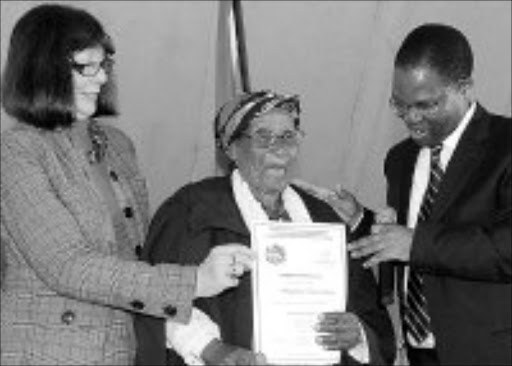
[{"x": 337, "y": 55}]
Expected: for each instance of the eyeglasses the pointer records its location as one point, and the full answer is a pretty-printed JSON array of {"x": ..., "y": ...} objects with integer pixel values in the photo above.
[
  {"x": 93, "y": 68},
  {"x": 264, "y": 139},
  {"x": 428, "y": 108}
]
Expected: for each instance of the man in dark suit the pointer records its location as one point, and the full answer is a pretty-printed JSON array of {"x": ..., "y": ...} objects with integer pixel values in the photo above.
[{"x": 450, "y": 184}]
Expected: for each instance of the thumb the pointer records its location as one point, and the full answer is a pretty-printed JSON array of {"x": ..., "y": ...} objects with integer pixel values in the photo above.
[
  {"x": 386, "y": 215},
  {"x": 341, "y": 192}
]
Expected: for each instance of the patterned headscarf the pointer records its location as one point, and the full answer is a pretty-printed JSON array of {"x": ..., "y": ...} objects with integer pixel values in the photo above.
[{"x": 243, "y": 108}]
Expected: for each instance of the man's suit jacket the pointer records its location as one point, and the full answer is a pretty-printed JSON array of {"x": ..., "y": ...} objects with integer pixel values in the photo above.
[
  {"x": 204, "y": 214},
  {"x": 464, "y": 248}
]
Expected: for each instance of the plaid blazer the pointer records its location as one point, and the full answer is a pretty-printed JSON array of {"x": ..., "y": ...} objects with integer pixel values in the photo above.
[{"x": 70, "y": 278}]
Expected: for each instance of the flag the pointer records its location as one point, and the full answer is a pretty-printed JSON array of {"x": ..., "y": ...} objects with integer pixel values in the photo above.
[{"x": 231, "y": 67}]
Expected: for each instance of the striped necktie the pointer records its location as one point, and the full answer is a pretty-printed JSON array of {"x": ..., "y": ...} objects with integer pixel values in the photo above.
[{"x": 416, "y": 318}]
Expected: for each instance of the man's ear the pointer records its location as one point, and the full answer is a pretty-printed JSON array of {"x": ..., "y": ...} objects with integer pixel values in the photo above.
[
  {"x": 465, "y": 89},
  {"x": 466, "y": 85}
]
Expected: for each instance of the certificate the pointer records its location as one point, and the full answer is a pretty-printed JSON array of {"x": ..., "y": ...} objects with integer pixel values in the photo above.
[{"x": 300, "y": 272}]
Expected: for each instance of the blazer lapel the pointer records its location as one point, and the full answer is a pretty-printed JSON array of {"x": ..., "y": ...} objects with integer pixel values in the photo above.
[{"x": 464, "y": 162}]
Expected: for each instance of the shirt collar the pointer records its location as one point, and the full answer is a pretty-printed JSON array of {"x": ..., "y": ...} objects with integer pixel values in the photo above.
[{"x": 452, "y": 140}]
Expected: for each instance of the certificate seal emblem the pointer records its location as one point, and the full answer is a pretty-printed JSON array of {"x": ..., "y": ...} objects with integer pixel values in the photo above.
[{"x": 275, "y": 254}]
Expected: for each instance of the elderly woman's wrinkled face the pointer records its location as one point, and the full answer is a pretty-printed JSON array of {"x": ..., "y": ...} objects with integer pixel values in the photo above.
[
  {"x": 266, "y": 153},
  {"x": 89, "y": 74}
]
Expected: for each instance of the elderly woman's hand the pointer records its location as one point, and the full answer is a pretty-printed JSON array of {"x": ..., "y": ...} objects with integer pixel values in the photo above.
[
  {"x": 221, "y": 269},
  {"x": 220, "y": 353},
  {"x": 339, "y": 331}
]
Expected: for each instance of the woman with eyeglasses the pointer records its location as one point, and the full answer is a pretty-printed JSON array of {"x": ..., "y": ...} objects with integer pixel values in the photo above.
[
  {"x": 260, "y": 134},
  {"x": 74, "y": 207}
]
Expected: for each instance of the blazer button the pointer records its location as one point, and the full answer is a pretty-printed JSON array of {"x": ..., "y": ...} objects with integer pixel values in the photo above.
[
  {"x": 67, "y": 317},
  {"x": 138, "y": 250},
  {"x": 128, "y": 212},
  {"x": 170, "y": 310},
  {"x": 137, "y": 304},
  {"x": 114, "y": 176}
]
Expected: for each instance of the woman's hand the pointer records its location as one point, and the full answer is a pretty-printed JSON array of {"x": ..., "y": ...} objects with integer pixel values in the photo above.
[
  {"x": 220, "y": 353},
  {"x": 338, "y": 331},
  {"x": 221, "y": 269}
]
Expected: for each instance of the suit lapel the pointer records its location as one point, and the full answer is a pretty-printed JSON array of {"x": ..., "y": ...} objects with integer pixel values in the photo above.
[
  {"x": 464, "y": 162},
  {"x": 407, "y": 172},
  {"x": 404, "y": 179}
]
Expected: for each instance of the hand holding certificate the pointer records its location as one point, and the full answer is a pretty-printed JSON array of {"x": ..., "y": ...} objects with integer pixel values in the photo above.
[{"x": 300, "y": 273}]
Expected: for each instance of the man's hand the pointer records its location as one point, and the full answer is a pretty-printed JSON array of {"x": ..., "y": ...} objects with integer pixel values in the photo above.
[
  {"x": 388, "y": 242},
  {"x": 386, "y": 215},
  {"x": 220, "y": 353},
  {"x": 221, "y": 269},
  {"x": 342, "y": 201},
  {"x": 339, "y": 331}
]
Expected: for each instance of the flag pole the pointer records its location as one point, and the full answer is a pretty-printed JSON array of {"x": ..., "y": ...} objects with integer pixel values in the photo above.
[
  {"x": 232, "y": 71},
  {"x": 242, "y": 50}
]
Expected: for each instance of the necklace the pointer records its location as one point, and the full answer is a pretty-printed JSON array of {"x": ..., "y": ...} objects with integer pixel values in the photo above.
[{"x": 99, "y": 142}]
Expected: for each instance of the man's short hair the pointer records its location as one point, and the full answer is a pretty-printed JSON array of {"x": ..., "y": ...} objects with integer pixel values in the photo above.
[{"x": 440, "y": 47}]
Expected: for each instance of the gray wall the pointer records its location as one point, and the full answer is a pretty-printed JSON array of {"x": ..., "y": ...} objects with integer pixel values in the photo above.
[{"x": 336, "y": 54}]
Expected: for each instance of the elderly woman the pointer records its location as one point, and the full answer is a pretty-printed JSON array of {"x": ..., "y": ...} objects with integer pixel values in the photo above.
[
  {"x": 259, "y": 132},
  {"x": 74, "y": 207}
]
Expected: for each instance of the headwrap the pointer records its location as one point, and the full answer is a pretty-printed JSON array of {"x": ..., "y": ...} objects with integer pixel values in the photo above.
[{"x": 248, "y": 106}]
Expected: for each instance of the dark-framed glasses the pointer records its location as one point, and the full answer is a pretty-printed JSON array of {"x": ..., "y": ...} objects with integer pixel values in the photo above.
[
  {"x": 264, "y": 139},
  {"x": 426, "y": 108},
  {"x": 93, "y": 68}
]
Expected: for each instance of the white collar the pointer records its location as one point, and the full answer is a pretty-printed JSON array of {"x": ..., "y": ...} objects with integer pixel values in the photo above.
[{"x": 453, "y": 139}]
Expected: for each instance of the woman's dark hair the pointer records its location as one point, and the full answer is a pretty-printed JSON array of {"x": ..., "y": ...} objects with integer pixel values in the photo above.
[
  {"x": 37, "y": 84},
  {"x": 441, "y": 47}
]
